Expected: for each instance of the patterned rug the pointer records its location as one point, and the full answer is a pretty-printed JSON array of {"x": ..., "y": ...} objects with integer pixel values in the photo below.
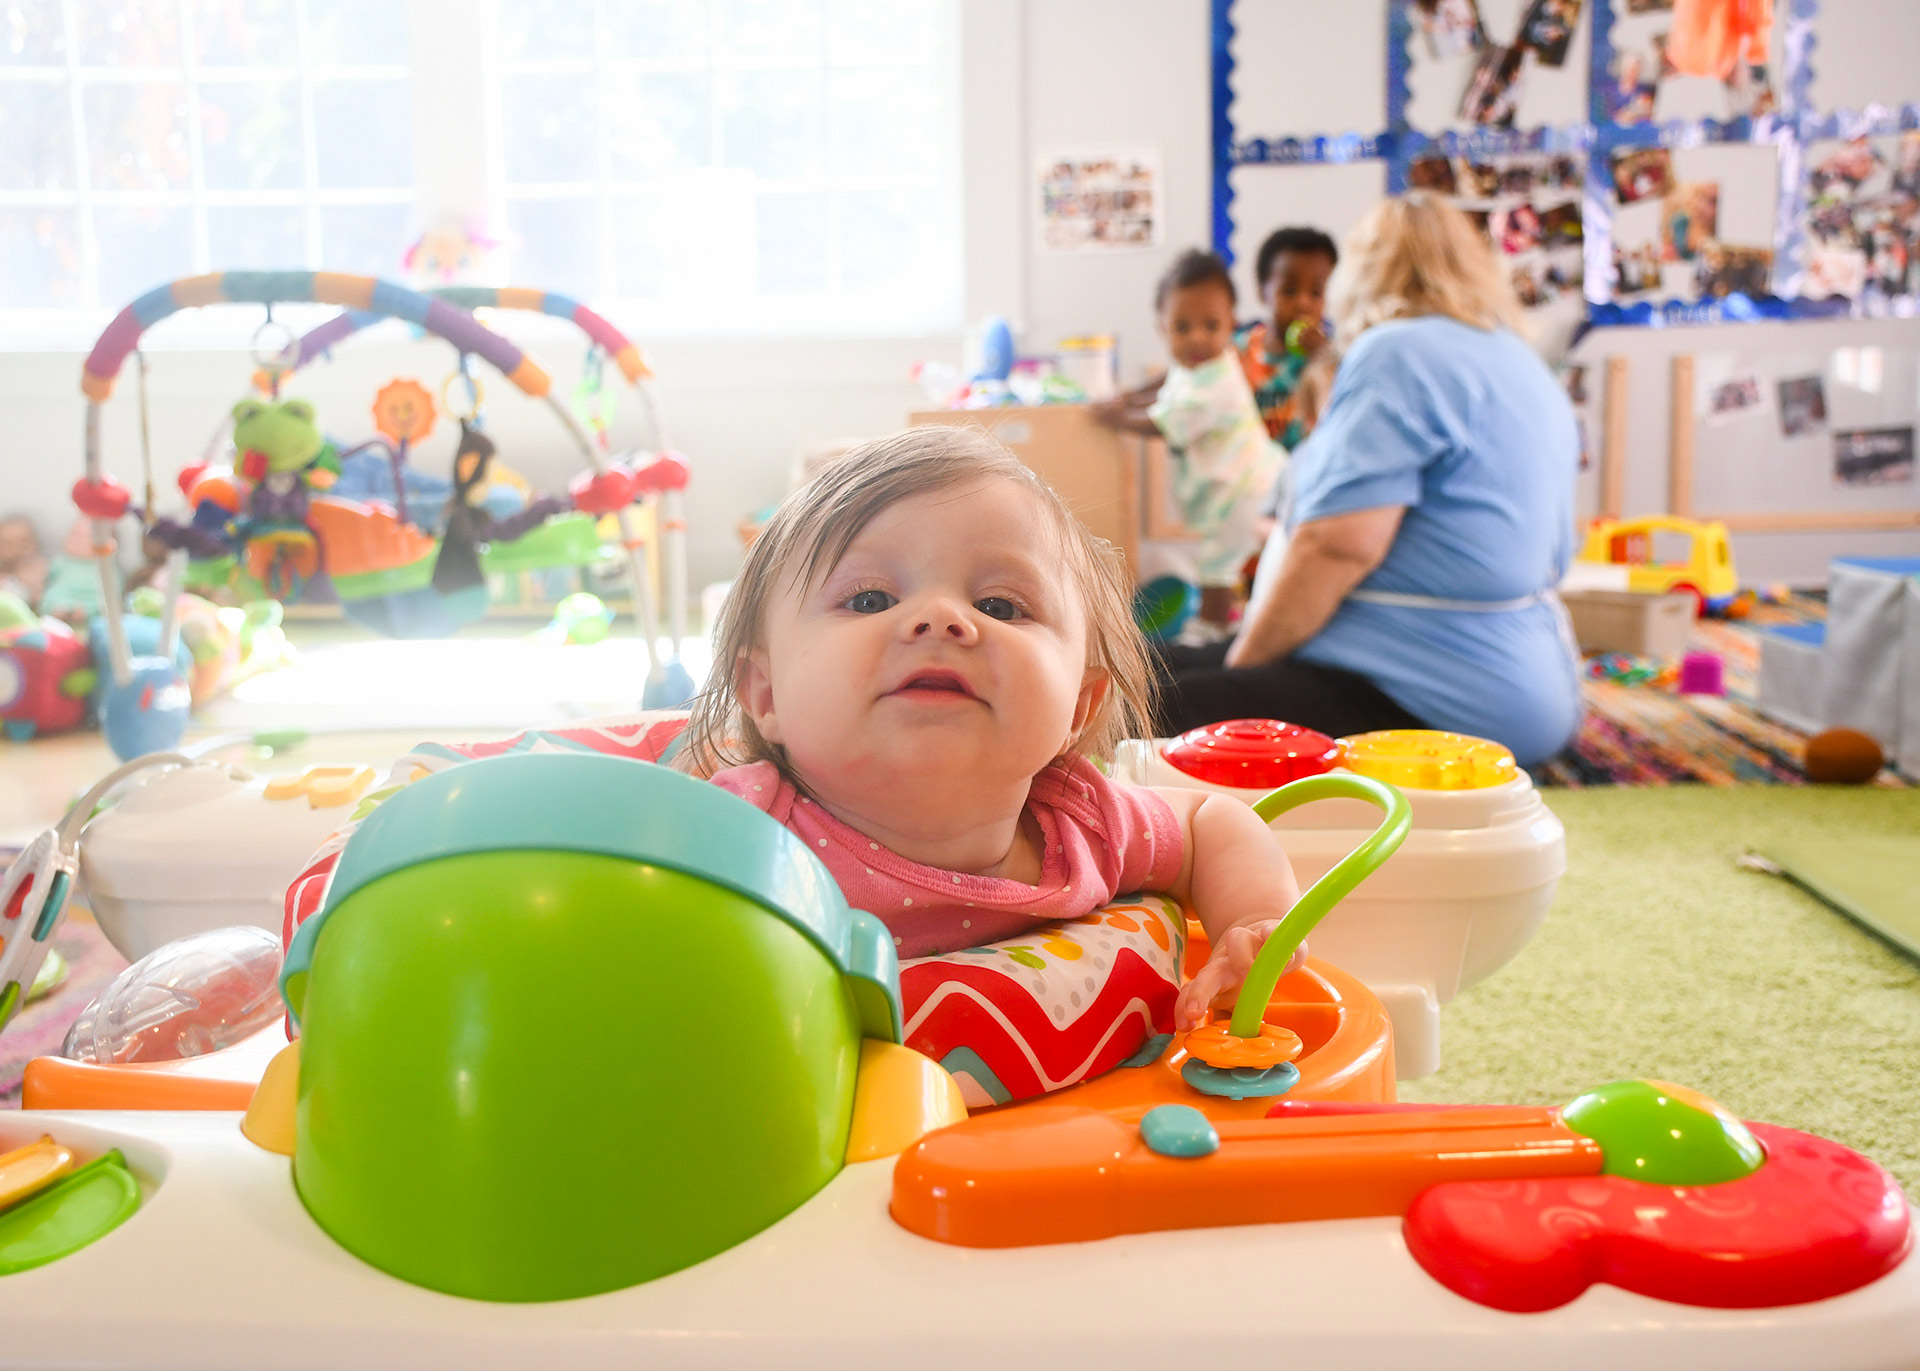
[{"x": 1647, "y": 734}]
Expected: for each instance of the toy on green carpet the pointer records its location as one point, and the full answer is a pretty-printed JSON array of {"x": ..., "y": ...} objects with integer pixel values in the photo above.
[{"x": 1704, "y": 571}]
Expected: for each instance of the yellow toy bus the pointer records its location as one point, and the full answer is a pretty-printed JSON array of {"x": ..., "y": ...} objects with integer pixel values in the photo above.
[{"x": 1705, "y": 571}]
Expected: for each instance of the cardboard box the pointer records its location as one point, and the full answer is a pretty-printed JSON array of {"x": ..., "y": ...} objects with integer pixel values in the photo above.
[
  {"x": 1095, "y": 469},
  {"x": 1631, "y": 622}
]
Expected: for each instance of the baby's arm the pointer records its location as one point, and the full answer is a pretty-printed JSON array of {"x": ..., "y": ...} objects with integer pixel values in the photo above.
[{"x": 1236, "y": 877}]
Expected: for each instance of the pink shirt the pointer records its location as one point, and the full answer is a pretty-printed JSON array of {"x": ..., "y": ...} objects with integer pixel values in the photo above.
[{"x": 1102, "y": 839}]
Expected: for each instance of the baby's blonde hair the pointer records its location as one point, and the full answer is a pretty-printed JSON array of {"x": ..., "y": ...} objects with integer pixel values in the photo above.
[
  {"x": 1417, "y": 255},
  {"x": 812, "y": 529}
]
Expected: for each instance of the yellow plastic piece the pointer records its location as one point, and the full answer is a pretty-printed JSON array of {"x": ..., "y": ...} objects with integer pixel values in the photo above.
[
  {"x": 326, "y": 787},
  {"x": 1705, "y": 566},
  {"x": 28, "y": 1170},
  {"x": 899, "y": 1098},
  {"x": 1427, "y": 759},
  {"x": 269, "y": 1120}
]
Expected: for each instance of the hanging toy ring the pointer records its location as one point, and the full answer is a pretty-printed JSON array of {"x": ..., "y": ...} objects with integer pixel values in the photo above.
[
  {"x": 276, "y": 350},
  {"x": 476, "y": 396}
]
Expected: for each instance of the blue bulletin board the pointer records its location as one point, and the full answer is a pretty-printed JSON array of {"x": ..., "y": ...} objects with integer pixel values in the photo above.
[{"x": 1844, "y": 220}]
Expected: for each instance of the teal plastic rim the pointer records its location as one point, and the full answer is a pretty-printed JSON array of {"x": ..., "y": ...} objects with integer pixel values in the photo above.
[{"x": 616, "y": 807}]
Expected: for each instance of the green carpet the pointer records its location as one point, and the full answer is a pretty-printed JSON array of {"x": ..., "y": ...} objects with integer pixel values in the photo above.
[{"x": 1661, "y": 958}]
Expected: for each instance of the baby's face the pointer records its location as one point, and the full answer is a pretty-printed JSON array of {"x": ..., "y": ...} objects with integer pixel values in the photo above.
[
  {"x": 1197, "y": 322},
  {"x": 1296, "y": 288},
  {"x": 947, "y": 648}
]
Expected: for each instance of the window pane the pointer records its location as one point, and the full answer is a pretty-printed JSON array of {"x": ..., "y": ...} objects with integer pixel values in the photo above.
[
  {"x": 538, "y": 30},
  {"x": 33, "y": 33},
  {"x": 769, "y": 28},
  {"x": 368, "y": 239},
  {"x": 771, "y": 121},
  {"x": 878, "y": 232},
  {"x": 557, "y": 246},
  {"x": 250, "y": 136},
  {"x": 245, "y": 33},
  {"x": 661, "y": 121},
  {"x": 792, "y": 243},
  {"x": 36, "y": 137},
  {"x": 256, "y": 239},
  {"x": 641, "y": 242},
  {"x": 861, "y": 31},
  {"x": 689, "y": 239},
  {"x": 656, "y": 29},
  {"x": 356, "y": 32},
  {"x": 363, "y": 134},
  {"x": 39, "y": 258},
  {"x": 141, "y": 249},
  {"x": 882, "y": 123},
  {"x": 136, "y": 136},
  {"x": 551, "y": 128},
  {"x": 129, "y": 33}
]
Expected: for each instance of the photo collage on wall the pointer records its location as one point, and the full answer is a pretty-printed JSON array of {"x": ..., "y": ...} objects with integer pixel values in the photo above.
[
  {"x": 1863, "y": 217},
  {"x": 1668, "y": 240},
  {"x": 1665, "y": 63},
  {"x": 1492, "y": 96},
  {"x": 1529, "y": 208}
]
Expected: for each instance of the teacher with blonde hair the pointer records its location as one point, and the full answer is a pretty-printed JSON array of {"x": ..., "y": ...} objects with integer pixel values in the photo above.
[{"x": 1432, "y": 516}]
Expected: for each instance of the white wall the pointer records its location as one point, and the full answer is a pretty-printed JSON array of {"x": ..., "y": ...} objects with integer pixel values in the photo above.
[{"x": 1038, "y": 75}]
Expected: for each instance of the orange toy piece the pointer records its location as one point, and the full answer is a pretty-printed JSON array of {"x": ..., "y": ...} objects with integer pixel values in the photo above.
[
  {"x": 1346, "y": 1055},
  {"x": 1048, "y": 1174},
  {"x": 1216, "y": 1045},
  {"x": 218, "y": 1080},
  {"x": 365, "y": 537}
]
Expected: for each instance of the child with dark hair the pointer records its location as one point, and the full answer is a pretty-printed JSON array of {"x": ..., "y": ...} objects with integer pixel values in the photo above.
[
  {"x": 1292, "y": 269},
  {"x": 1223, "y": 458}
]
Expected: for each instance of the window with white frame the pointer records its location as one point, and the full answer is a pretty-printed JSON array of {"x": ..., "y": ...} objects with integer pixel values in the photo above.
[
  {"x": 736, "y": 163},
  {"x": 143, "y": 140},
  {"x": 716, "y": 166}
]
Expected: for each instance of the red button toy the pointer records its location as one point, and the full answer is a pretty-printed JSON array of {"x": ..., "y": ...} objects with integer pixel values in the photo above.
[{"x": 1252, "y": 754}]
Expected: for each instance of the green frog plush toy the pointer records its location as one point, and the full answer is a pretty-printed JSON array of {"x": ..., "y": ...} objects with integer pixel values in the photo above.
[{"x": 284, "y": 454}]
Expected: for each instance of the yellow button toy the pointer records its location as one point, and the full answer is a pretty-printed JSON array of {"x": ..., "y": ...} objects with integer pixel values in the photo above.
[{"x": 1427, "y": 759}]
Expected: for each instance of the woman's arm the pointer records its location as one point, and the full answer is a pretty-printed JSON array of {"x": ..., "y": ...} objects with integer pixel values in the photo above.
[
  {"x": 1237, "y": 880},
  {"x": 1325, "y": 559}
]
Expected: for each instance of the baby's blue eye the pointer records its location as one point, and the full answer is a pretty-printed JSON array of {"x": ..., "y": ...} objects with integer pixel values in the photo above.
[
  {"x": 997, "y": 607},
  {"x": 871, "y": 602}
]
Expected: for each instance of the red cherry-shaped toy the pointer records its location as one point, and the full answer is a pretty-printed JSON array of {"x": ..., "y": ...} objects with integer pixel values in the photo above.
[
  {"x": 105, "y": 498},
  {"x": 189, "y": 477},
  {"x": 602, "y": 492},
  {"x": 1252, "y": 754}
]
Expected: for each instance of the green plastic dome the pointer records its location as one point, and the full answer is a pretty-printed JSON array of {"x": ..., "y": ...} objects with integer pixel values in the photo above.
[{"x": 570, "y": 1023}]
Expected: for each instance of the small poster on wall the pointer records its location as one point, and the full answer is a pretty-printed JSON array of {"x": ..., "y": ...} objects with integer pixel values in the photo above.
[
  {"x": 1731, "y": 399},
  {"x": 1873, "y": 456},
  {"x": 1803, "y": 405},
  {"x": 1100, "y": 201}
]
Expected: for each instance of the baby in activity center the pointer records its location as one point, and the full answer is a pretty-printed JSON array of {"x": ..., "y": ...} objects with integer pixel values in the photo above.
[
  {"x": 915, "y": 669},
  {"x": 1224, "y": 461},
  {"x": 928, "y": 650}
]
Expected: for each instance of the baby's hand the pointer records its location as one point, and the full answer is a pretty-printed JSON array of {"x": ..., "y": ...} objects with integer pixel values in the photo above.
[{"x": 1225, "y": 969}]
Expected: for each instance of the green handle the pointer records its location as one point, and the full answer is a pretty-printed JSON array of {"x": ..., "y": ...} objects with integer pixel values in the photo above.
[{"x": 1324, "y": 893}]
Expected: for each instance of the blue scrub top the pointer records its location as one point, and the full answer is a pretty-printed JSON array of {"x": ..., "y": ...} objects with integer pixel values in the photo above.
[{"x": 1469, "y": 430}]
